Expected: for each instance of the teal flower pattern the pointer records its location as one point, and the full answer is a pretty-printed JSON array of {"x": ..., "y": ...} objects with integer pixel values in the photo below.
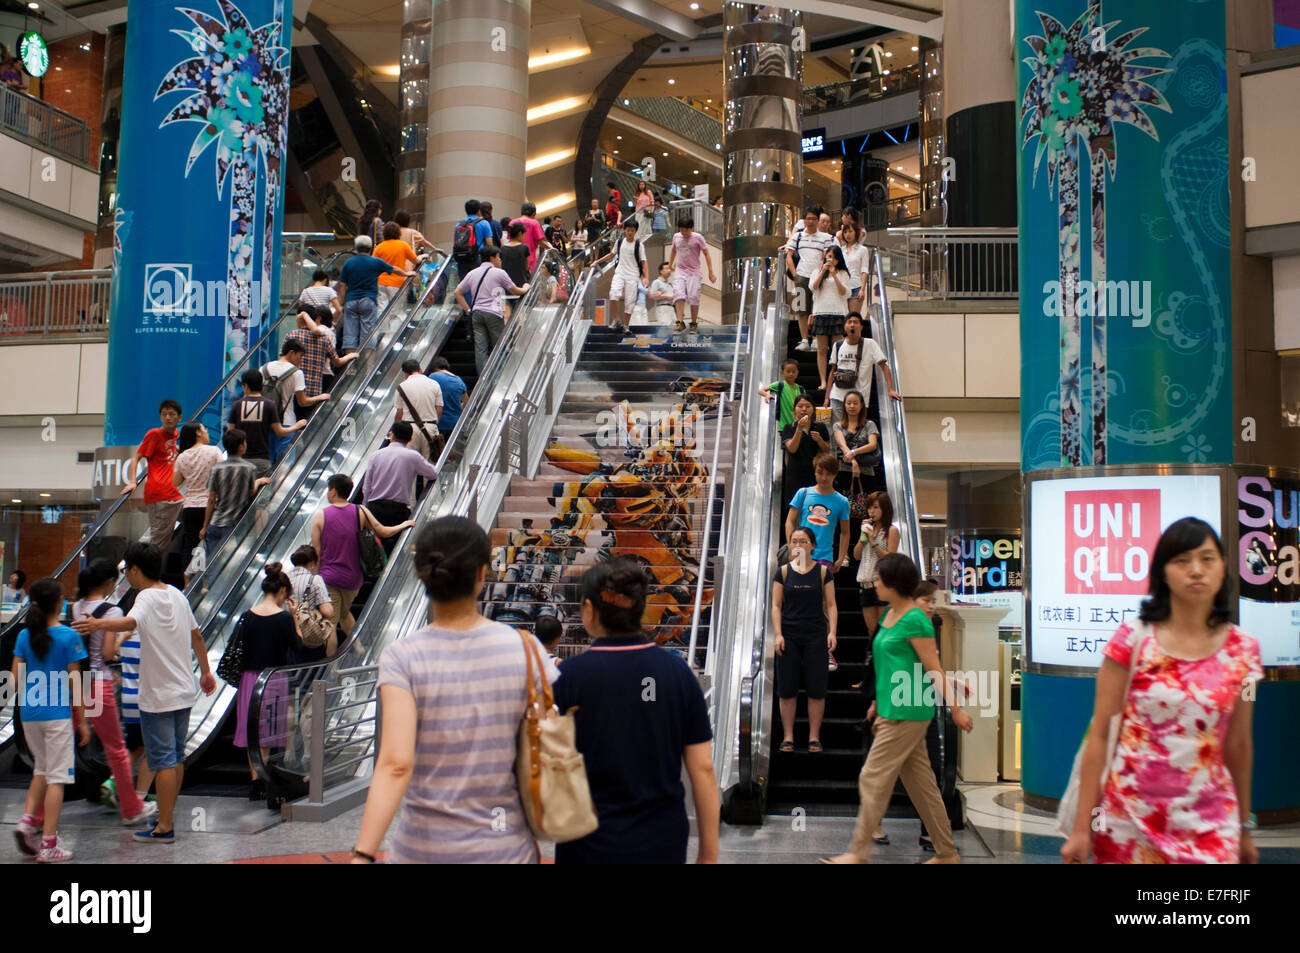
[{"x": 1197, "y": 448}]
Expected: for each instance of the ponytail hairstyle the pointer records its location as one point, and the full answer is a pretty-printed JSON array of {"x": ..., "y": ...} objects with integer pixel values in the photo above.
[
  {"x": 46, "y": 597},
  {"x": 449, "y": 552},
  {"x": 96, "y": 573},
  {"x": 275, "y": 579},
  {"x": 189, "y": 436},
  {"x": 616, "y": 591}
]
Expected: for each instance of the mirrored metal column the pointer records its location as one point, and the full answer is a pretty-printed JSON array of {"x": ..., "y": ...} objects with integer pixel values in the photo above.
[{"x": 763, "y": 164}]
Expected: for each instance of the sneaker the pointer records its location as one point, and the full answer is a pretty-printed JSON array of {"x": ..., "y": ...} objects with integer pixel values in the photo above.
[
  {"x": 53, "y": 855},
  {"x": 151, "y": 836},
  {"x": 681, "y": 326},
  {"x": 804, "y": 345},
  {"x": 108, "y": 794},
  {"x": 28, "y": 838},
  {"x": 695, "y": 326},
  {"x": 152, "y": 799},
  {"x": 150, "y": 811},
  {"x": 832, "y": 665}
]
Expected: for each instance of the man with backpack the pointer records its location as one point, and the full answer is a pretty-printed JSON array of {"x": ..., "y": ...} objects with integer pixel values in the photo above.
[
  {"x": 259, "y": 419},
  {"x": 469, "y": 237},
  {"x": 287, "y": 386},
  {"x": 631, "y": 273}
]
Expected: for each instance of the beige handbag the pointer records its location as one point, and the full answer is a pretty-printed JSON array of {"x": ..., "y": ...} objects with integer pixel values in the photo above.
[{"x": 552, "y": 774}]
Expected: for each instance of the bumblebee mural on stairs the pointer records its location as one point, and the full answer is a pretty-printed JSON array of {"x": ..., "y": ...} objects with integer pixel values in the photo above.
[{"x": 642, "y": 491}]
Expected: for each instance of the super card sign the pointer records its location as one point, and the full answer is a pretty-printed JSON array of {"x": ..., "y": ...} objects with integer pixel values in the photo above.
[{"x": 1109, "y": 536}]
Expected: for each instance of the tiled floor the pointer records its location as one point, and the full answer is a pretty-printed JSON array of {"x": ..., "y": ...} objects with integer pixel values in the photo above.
[{"x": 1000, "y": 830}]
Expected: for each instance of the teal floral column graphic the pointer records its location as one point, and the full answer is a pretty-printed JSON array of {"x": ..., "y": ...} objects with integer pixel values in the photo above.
[
  {"x": 238, "y": 85},
  {"x": 1083, "y": 83}
]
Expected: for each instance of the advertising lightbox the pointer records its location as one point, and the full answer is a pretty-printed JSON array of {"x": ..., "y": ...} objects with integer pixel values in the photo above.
[
  {"x": 984, "y": 568},
  {"x": 1090, "y": 545},
  {"x": 1268, "y": 561}
]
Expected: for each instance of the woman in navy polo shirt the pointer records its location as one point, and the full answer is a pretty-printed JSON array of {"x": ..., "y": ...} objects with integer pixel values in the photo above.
[{"x": 640, "y": 714}]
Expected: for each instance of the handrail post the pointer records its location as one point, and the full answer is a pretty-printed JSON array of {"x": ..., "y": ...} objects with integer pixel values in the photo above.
[
  {"x": 316, "y": 774},
  {"x": 49, "y": 293}
]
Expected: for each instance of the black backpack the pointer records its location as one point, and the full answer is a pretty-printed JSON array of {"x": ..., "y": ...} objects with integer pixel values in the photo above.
[{"x": 272, "y": 388}]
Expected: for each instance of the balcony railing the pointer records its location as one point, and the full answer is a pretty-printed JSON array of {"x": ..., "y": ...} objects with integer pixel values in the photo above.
[
  {"x": 56, "y": 302},
  {"x": 35, "y": 119},
  {"x": 953, "y": 262},
  {"x": 855, "y": 92},
  {"x": 681, "y": 118}
]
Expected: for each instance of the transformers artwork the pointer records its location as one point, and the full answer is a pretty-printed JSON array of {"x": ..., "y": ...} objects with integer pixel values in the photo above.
[{"x": 648, "y": 507}]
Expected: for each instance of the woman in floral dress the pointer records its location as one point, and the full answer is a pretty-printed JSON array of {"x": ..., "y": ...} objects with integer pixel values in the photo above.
[{"x": 1178, "y": 788}]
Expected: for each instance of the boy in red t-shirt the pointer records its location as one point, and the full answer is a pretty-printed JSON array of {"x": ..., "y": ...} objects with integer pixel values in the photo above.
[{"x": 161, "y": 498}]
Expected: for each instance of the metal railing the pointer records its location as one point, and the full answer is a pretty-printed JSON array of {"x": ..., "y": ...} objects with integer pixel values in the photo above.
[
  {"x": 55, "y": 302},
  {"x": 953, "y": 262},
  {"x": 680, "y": 117},
  {"x": 36, "y": 119},
  {"x": 708, "y": 220},
  {"x": 855, "y": 92}
]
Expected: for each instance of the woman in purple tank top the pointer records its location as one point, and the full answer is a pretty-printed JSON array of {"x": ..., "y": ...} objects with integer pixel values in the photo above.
[{"x": 335, "y": 534}]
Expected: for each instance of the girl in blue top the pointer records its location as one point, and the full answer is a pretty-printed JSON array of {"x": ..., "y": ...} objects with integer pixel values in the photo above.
[{"x": 46, "y": 671}]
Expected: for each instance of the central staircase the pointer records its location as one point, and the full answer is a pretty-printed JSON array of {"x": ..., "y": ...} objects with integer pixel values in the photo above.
[{"x": 626, "y": 472}]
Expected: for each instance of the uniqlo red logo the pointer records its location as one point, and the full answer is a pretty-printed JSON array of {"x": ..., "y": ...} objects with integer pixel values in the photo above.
[{"x": 1109, "y": 538}]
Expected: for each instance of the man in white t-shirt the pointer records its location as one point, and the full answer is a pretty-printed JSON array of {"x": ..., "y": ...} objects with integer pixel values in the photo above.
[
  {"x": 287, "y": 386},
  {"x": 688, "y": 244},
  {"x": 419, "y": 400},
  {"x": 631, "y": 272},
  {"x": 170, "y": 643},
  {"x": 856, "y": 354},
  {"x": 804, "y": 254}
]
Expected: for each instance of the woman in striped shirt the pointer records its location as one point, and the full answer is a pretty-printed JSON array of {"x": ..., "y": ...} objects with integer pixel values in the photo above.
[{"x": 453, "y": 695}]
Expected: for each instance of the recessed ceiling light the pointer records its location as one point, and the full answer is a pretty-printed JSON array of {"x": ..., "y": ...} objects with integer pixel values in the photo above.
[
  {"x": 45, "y": 494},
  {"x": 615, "y": 152},
  {"x": 708, "y": 100},
  {"x": 695, "y": 172},
  {"x": 15, "y": 500},
  {"x": 888, "y": 53},
  {"x": 58, "y": 69},
  {"x": 31, "y": 6},
  {"x": 915, "y": 49},
  {"x": 885, "y": 72},
  {"x": 665, "y": 155},
  {"x": 671, "y": 82},
  {"x": 695, "y": 6},
  {"x": 717, "y": 145},
  {"x": 620, "y": 138}
]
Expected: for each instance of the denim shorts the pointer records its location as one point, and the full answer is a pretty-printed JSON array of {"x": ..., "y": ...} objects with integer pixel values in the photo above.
[{"x": 164, "y": 737}]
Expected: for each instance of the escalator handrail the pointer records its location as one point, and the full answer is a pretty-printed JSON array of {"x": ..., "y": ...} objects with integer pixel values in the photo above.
[{"x": 896, "y": 458}]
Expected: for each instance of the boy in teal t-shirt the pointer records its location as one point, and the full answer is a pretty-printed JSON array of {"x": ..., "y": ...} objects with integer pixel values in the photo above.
[
  {"x": 786, "y": 391},
  {"x": 820, "y": 509}
]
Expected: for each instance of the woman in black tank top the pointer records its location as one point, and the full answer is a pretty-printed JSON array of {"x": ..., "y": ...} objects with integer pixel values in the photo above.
[{"x": 804, "y": 619}]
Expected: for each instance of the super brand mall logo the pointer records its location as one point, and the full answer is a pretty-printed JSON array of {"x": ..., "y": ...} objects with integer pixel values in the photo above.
[{"x": 1109, "y": 535}]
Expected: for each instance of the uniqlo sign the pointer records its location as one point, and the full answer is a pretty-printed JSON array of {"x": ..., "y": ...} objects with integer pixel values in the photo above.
[{"x": 1109, "y": 538}]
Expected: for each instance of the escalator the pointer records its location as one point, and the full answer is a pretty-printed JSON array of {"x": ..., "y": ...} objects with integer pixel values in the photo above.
[
  {"x": 366, "y": 382},
  {"x": 757, "y": 779},
  {"x": 515, "y": 403}
]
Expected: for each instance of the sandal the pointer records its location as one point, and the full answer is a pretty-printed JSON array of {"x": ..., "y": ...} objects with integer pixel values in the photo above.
[
  {"x": 814, "y": 746},
  {"x": 883, "y": 839},
  {"x": 787, "y": 746}
]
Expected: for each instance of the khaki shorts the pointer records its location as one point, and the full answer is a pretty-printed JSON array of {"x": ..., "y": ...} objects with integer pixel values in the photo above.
[
  {"x": 50, "y": 743},
  {"x": 162, "y": 522},
  {"x": 342, "y": 600}
]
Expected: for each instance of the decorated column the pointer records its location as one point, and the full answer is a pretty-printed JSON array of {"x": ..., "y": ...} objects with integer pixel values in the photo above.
[{"x": 199, "y": 204}]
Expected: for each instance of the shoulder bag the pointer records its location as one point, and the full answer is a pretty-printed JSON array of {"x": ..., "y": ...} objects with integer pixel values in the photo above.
[
  {"x": 434, "y": 440},
  {"x": 231, "y": 667},
  {"x": 551, "y": 772},
  {"x": 369, "y": 548},
  {"x": 313, "y": 627},
  {"x": 847, "y": 378},
  {"x": 857, "y": 501},
  {"x": 1069, "y": 806}
]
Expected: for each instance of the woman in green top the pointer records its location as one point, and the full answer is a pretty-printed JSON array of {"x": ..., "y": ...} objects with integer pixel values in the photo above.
[{"x": 903, "y": 650}]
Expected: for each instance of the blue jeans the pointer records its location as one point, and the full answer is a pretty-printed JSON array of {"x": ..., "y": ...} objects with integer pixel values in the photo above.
[
  {"x": 212, "y": 540},
  {"x": 359, "y": 316},
  {"x": 164, "y": 737},
  {"x": 488, "y": 329},
  {"x": 278, "y": 446}
]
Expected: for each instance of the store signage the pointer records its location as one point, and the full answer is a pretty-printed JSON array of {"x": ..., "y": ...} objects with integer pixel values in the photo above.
[
  {"x": 1090, "y": 545},
  {"x": 33, "y": 52},
  {"x": 110, "y": 473},
  {"x": 984, "y": 568},
  {"x": 1268, "y": 562},
  {"x": 814, "y": 140}
]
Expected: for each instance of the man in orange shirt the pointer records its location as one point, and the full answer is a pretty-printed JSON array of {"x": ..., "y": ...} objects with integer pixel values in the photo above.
[{"x": 397, "y": 253}]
